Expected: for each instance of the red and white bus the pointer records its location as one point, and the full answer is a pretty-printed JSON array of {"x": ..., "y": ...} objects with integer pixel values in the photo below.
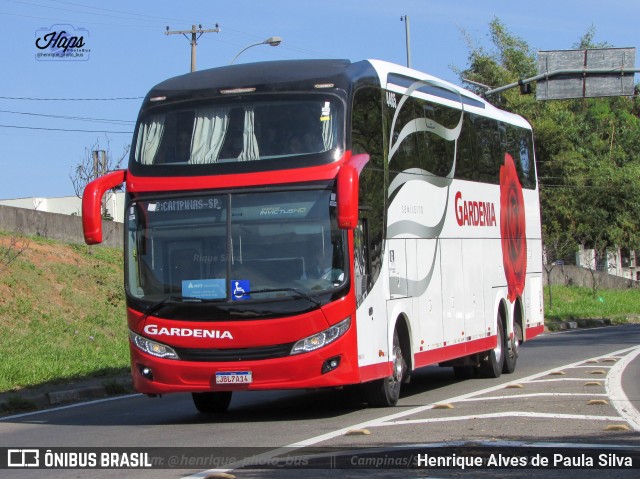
[{"x": 315, "y": 224}]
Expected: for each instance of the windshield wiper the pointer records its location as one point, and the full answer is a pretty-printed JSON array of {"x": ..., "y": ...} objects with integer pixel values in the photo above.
[
  {"x": 190, "y": 299},
  {"x": 176, "y": 299},
  {"x": 300, "y": 293}
]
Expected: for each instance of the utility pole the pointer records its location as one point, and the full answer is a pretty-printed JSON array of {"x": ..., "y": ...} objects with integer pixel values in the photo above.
[
  {"x": 196, "y": 33},
  {"x": 99, "y": 163},
  {"x": 405, "y": 19},
  {"x": 99, "y": 169}
]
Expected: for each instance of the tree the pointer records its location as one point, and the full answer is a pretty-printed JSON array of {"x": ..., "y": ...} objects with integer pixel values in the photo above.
[
  {"x": 557, "y": 247},
  {"x": 96, "y": 162},
  {"x": 586, "y": 151},
  {"x": 510, "y": 60}
]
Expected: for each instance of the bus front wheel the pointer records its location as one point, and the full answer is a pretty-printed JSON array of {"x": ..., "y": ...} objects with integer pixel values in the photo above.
[
  {"x": 212, "y": 402},
  {"x": 491, "y": 367},
  {"x": 385, "y": 392}
]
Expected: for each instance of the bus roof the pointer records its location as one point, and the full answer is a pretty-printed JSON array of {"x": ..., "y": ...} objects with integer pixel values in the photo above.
[
  {"x": 397, "y": 76},
  {"x": 286, "y": 75},
  {"x": 307, "y": 75}
]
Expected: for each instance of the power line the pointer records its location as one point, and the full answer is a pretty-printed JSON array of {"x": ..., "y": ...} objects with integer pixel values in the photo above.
[
  {"x": 86, "y": 22},
  {"x": 579, "y": 187},
  {"x": 63, "y": 117},
  {"x": 143, "y": 15},
  {"x": 67, "y": 129},
  {"x": 76, "y": 11},
  {"x": 70, "y": 99}
]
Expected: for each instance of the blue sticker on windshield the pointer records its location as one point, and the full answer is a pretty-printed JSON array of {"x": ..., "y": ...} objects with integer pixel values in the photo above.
[
  {"x": 204, "y": 288},
  {"x": 240, "y": 289}
]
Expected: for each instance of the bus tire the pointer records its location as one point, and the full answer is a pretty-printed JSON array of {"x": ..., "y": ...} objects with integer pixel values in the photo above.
[
  {"x": 385, "y": 392},
  {"x": 212, "y": 402},
  {"x": 512, "y": 350},
  {"x": 491, "y": 367}
]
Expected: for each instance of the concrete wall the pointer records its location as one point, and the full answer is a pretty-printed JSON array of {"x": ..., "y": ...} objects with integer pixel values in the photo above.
[
  {"x": 69, "y": 229},
  {"x": 66, "y": 205},
  {"x": 55, "y": 226},
  {"x": 70, "y": 205},
  {"x": 575, "y": 276}
]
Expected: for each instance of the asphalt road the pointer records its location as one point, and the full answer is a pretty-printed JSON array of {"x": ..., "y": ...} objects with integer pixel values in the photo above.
[{"x": 578, "y": 391}]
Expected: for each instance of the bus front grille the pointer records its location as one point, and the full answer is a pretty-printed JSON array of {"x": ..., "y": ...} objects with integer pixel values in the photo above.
[{"x": 230, "y": 355}]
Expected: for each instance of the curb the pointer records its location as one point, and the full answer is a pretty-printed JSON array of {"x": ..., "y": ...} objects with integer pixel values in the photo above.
[
  {"x": 576, "y": 324},
  {"x": 27, "y": 400}
]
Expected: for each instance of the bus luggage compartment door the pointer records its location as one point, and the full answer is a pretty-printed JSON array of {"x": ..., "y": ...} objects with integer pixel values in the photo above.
[{"x": 397, "y": 264}]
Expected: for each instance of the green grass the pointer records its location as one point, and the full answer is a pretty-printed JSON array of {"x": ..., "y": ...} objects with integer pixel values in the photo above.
[
  {"x": 571, "y": 302},
  {"x": 62, "y": 314}
]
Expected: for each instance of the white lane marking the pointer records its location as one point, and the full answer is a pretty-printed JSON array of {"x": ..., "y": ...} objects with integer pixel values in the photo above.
[
  {"x": 569, "y": 331},
  {"x": 392, "y": 417},
  {"x": 542, "y": 415},
  {"x": 613, "y": 386},
  {"x": 69, "y": 406}
]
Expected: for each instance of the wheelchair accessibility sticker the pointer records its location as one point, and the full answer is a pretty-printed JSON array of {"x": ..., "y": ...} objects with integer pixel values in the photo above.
[{"x": 240, "y": 289}]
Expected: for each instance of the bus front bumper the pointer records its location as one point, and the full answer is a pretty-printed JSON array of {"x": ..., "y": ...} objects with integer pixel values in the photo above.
[{"x": 331, "y": 366}]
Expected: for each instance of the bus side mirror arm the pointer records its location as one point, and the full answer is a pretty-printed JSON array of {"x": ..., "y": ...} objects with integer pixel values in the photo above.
[
  {"x": 92, "y": 204},
  {"x": 348, "y": 182}
]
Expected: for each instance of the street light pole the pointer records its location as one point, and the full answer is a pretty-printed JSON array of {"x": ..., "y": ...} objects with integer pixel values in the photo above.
[
  {"x": 405, "y": 19},
  {"x": 273, "y": 41},
  {"x": 194, "y": 39}
]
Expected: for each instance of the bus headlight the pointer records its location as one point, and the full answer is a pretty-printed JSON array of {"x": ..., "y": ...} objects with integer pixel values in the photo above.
[
  {"x": 153, "y": 348},
  {"x": 321, "y": 339}
]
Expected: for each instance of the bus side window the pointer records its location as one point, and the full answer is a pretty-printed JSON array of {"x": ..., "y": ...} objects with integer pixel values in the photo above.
[
  {"x": 362, "y": 265},
  {"x": 368, "y": 135}
]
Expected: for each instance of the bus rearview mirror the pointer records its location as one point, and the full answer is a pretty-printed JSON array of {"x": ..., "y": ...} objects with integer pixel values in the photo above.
[
  {"x": 347, "y": 191},
  {"x": 92, "y": 204}
]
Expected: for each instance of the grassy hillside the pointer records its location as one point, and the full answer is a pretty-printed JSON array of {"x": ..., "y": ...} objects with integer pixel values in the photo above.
[
  {"x": 571, "y": 302},
  {"x": 62, "y": 313}
]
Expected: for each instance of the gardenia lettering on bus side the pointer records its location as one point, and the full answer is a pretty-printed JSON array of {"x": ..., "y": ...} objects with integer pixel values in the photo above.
[{"x": 474, "y": 213}]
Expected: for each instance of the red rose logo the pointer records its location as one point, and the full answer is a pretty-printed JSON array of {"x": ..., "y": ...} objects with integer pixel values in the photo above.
[{"x": 512, "y": 228}]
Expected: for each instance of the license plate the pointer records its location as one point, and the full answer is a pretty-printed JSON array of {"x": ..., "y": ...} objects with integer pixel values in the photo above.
[{"x": 234, "y": 377}]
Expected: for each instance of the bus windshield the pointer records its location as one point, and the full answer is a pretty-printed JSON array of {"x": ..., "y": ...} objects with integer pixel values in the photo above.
[
  {"x": 238, "y": 130},
  {"x": 235, "y": 247}
]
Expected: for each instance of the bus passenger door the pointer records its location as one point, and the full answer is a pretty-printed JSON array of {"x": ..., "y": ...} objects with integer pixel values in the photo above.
[{"x": 371, "y": 315}]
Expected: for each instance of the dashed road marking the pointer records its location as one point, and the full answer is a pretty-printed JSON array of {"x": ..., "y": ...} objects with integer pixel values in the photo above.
[
  {"x": 614, "y": 388},
  {"x": 530, "y": 395}
]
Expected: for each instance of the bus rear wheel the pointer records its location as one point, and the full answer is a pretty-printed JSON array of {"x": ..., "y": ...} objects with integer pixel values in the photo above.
[
  {"x": 513, "y": 347},
  {"x": 212, "y": 402},
  {"x": 385, "y": 392}
]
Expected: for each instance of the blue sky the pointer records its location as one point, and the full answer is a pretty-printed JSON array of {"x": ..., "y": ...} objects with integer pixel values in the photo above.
[{"x": 129, "y": 53}]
